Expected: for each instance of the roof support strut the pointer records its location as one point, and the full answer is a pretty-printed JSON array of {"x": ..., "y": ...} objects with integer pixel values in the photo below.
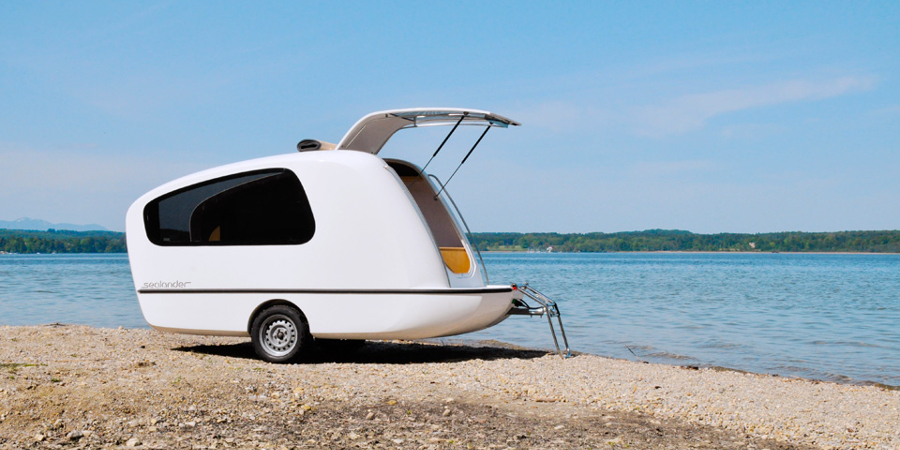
[
  {"x": 486, "y": 129},
  {"x": 445, "y": 140}
]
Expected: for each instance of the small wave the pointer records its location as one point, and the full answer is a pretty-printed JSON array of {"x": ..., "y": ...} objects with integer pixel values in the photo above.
[
  {"x": 643, "y": 348},
  {"x": 723, "y": 345},
  {"x": 667, "y": 355},
  {"x": 848, "y": 343},
  {"x": 821, "y": 375}
]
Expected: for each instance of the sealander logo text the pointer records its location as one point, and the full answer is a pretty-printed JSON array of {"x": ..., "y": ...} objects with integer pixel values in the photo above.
[{"x": 166, "y": 284}]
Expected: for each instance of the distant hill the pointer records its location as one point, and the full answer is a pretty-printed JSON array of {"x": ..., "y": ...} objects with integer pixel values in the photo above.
[{"x": 26, "y": 223}]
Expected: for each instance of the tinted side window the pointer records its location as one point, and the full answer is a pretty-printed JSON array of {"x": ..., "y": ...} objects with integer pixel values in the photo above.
[{"x": 253, "y": 208}]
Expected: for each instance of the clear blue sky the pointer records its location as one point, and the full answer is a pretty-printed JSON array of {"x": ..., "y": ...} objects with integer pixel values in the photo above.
[{"x": 706, "y": 116}]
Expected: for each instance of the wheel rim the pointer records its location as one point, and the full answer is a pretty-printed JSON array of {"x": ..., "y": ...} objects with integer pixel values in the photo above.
[{"x": 278, "y": 335}]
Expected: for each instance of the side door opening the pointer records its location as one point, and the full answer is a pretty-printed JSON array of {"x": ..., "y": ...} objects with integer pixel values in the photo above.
[{"x": 447, "y": 235}]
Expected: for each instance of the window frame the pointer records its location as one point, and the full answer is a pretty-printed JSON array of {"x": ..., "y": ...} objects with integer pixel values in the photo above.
[{"x": 153, "y": 230}]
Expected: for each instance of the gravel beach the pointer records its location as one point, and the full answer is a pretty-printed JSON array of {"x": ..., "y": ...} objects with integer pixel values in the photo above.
[{"x": 83, "y": 387}]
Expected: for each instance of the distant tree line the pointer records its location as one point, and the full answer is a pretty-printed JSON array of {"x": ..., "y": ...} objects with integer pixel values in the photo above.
[
  {"x": 61, "y": 241},
  {"x": 678, "y": 240},
  {"x": 65, "y": 241}
]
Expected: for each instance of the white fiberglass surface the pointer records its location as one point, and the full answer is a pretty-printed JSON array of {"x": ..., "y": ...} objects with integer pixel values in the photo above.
[
  {"x": 368, "y": 235},
  {"x": 371, "y": 132},
  {"x": 344, "y": 316}
]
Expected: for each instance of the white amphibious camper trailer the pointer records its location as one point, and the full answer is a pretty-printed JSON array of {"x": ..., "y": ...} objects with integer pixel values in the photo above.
[{"x": 331, "y": 242}]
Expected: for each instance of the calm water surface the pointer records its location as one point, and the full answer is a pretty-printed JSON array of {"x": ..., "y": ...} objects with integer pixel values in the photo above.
[
  {"x": 81, "y": 289},
  {"x": 833, "y": 317}
]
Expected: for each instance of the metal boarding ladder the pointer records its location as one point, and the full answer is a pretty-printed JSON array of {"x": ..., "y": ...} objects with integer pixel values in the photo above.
[{"x": 548, "y": 307}]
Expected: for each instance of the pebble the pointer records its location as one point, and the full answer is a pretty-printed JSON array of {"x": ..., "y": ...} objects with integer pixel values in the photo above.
[{"x": 75, "y": 435}]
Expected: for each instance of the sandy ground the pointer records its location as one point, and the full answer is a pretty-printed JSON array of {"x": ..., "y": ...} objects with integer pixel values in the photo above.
[{"x": 83, "y": 387}]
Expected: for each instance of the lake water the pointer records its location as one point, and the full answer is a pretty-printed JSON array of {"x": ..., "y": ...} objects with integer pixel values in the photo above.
[{"x": 831, "y": 317}]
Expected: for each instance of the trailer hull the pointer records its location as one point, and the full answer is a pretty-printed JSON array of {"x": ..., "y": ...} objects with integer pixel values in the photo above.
[{"x": 332, "y": 314}]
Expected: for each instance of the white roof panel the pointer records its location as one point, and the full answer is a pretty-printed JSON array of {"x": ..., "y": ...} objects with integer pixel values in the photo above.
[{"x": 371, "y": 132}]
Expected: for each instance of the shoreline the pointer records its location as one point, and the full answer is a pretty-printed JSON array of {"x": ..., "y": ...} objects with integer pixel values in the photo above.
[
  {"x": 460, "y": 341},
  {"x": 839, "y": 378},
  {"x": 101, "y": 387},
  {"x": 701, "y": 252}
]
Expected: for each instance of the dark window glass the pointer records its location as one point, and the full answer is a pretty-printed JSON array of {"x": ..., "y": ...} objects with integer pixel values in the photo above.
[{"x": 254, "y": 208}]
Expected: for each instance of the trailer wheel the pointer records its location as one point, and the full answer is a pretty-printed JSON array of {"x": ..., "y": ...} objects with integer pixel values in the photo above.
[{"x": 279, "y": 335}]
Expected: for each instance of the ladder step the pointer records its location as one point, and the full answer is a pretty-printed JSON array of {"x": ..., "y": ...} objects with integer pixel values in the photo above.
[{"x": 548, "y": 307}]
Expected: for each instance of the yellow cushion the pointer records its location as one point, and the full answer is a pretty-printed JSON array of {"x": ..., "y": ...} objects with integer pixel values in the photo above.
[{"x": 456, "y": 259}]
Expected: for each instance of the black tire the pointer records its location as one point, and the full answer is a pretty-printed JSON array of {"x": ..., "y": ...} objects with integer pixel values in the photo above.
[{"x": 279, "y": 334}]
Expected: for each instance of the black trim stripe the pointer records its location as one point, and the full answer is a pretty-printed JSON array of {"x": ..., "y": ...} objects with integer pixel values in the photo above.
[{"x": 328, "y": 291}]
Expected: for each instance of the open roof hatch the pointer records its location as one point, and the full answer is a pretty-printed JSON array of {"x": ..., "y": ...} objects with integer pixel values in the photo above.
[{"x": 371, "y": 132}]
